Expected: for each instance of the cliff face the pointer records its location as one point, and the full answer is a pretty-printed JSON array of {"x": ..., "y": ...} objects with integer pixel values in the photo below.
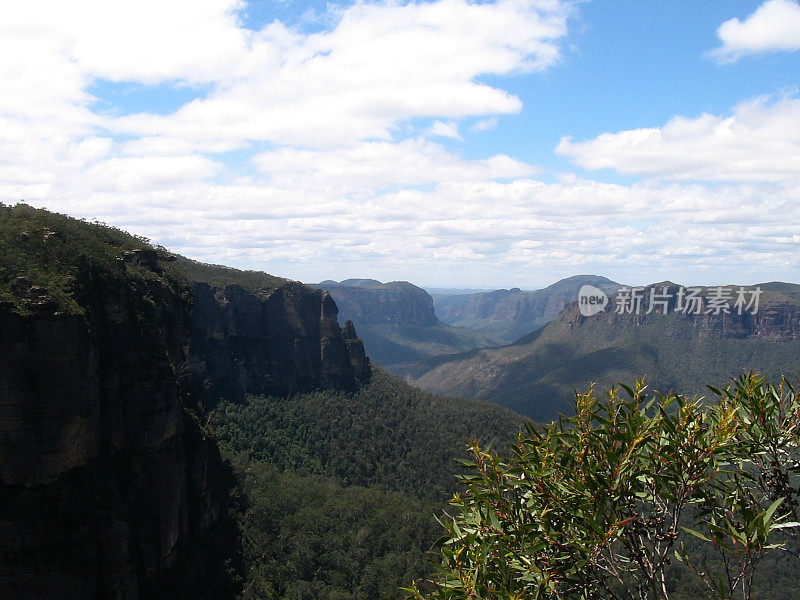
[
  {"x": 680, "y": 351},
  {"x": 108, "y": 486},
  {"x": 506, "y": 315},
  {"x": 397, "y": 323},
  {"x": 370, "y": 302},
  {"x": 271, "y": 342},
  {"x": 777, "y": 318}
]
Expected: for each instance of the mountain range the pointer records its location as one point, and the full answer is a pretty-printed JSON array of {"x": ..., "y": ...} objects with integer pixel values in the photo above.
[
  {"x": 538, "y": 374},
  {"x": 504, "y": 316},
  {"x": 397, "y": 322}
]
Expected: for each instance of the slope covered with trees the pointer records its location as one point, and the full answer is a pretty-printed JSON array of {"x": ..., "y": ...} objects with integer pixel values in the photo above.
[
  {"x": 537, "y": 375},
  {"x": 387, "y": 435},
  {"x": 340, "y": 491}
]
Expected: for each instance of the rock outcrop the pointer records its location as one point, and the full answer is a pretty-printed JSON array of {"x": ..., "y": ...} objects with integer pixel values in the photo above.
[
  {"x": 396, "y": 322},
  {"x": 109, "y": 487},
  {"x": 370, "y": 302},
  {"x": 775, "y": 319},
  {"x": 272, "y": 342}
]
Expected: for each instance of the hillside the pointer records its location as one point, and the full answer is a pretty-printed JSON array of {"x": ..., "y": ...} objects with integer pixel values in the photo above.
[
  {"x": 507, "y": 315},
  {"x": 397, "y": 323},
  {"x": 387, "y": 435},
  {"x": 342, "y": 488},
  {"x": 219, "y": 276},
  {"x": 112, "y": 480},
  {"x": 537, "y": 375}
]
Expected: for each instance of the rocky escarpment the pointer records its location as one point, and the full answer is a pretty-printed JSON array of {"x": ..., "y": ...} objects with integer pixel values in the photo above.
[
  {"x": 370, "y": 302},
  {"x": 396, "y": 320},
  {"x": 702, "y": 344},
  {"x": 109, "y": 487},
  {"x": 774, "y": 318},
  {"x": 275, "y": 341},
  {"x": 506, "y": 315}
]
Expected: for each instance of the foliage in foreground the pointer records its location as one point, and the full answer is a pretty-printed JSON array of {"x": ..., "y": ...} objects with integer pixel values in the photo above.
[{"x": 635, "y": 497}]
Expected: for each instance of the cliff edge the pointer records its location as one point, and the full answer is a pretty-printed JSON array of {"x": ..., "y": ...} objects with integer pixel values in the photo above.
[{"x": 109, "y": 486}]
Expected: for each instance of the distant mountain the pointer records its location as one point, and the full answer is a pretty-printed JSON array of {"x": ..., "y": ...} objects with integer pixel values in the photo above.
[
  {"x": 434, "y": 292},
  {"x": 507, "y": 315},
  {"x": 536, "y": 375},
  {"x": 397, "y": 322}
]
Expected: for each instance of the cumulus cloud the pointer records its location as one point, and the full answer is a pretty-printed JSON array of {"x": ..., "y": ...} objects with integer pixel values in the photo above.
[
  {"x": 492, "y": 232},
  {"x": 370, "y": 166},
  {"x": 333, "y": 175},
  {"x": 448, "y": 129},
  {"x": 381, "y": 64},
  {"x": 759, "y": 141},
  {"x": 773, "y": 27}
]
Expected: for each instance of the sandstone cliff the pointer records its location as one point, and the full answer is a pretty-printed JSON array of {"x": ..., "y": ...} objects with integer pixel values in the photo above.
[
  {"x": 370, "y": 302},
  {"x": 396, "y": 320},
  {"x": 109, "y": 487},
  {"x": 274, "y": 341}
]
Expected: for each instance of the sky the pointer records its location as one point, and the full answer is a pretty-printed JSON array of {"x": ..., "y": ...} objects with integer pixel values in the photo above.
[{"x": 448, "y": 143}]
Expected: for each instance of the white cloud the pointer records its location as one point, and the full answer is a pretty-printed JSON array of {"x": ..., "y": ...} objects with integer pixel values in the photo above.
[
  {"x": 448, "y": 129},
  {"x": 149, "y": 41},
  {"x": 146, "y": 173},
  {"x": 492, "y": 232},
  {"x": 342, "y": 188},
  {"x": 760, "y": 141},
  {"x": 370, "y": 166},
  {"x": 485, "y": 124},
  {"x": 773, "y": 27},
  {"x": 382, "y": 64}
]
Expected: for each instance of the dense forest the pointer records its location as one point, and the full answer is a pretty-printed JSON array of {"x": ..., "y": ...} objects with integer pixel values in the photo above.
[
  {"x": 340, "y": 492},
  {"x": 387, "y": 435}
]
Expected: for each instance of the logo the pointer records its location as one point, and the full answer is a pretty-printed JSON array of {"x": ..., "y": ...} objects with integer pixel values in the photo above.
[
  {"x": 591, "y": 300},
  {"x": 716, "y": 301}
]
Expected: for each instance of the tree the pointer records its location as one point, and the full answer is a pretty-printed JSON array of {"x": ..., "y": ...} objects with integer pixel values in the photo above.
[{"x": 603, "y": 504}]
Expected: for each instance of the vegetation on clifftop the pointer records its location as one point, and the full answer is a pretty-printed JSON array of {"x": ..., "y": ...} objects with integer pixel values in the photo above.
[
  {"x": 52, "y": 261},
  {"x": 220, "y": 275}
]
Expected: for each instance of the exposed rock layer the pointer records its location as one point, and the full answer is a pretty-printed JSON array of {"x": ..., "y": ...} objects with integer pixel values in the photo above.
[
  {"x": 109, "y": 487},
  {"x": 370, "y": 302},
  {"x": 274, "y": 342}
]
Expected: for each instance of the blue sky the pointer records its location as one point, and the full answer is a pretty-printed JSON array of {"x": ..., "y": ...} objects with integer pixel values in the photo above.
[{"x": 449, "y": 143}]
